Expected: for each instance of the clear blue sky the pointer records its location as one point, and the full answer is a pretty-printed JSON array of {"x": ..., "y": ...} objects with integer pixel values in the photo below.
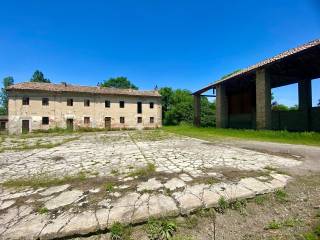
[{"x": 182, "y": 44}]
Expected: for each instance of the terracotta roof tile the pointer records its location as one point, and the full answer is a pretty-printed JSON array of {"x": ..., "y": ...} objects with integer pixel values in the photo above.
[{"x": 50, "y": 87}]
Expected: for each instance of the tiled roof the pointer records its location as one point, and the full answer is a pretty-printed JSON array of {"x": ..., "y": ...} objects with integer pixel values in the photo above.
[
  {"x": 50, "y": 87},
  {"x": 268, "y": 61}
]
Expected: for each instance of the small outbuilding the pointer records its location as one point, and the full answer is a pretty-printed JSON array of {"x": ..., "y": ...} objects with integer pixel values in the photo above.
[{"x": 243, "y": 99}]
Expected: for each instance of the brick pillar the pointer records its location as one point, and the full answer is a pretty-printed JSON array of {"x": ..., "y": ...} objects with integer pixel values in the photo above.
[
  {"x": 305, "y": 100},
  {"x": 221, "y": 107},
  {"x": 263, "y": 99},
  {"x": 197, "y": 110}
]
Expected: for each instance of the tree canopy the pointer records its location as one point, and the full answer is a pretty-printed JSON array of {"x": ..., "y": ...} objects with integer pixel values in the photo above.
[
  {"x": 118, "y": 82},
  {"x": 7, "y": 81},
  {"x": 39, "y": 77},
  {"x": 177, "y": 107}
]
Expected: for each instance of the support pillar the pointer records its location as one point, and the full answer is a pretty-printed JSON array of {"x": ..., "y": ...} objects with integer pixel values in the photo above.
[
  {"x": 305, "y": 100},
  {"x": 197, "y": 110},
  {"x": 221, "y": 107},
  {"x": 263, "y": 99}
]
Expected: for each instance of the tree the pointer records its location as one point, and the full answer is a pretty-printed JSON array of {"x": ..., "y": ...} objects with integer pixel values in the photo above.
[
  {"x": 7, "y": 81},
  {"x": 319, "y": 103},
  {"x": 118, "y": 82},
  {"x": 39, "y": 77}
]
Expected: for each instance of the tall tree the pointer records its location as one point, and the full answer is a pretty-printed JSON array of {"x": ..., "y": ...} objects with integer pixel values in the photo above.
[
  {"x": 118, "y": 82},
  {"x": 7, "y": 81},
  {"x": 319, "y": 103},
  {"x": 39, "y": 77}
]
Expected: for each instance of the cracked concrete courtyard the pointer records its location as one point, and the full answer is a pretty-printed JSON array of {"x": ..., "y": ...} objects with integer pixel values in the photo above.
[{"x": 122, "y": 176}]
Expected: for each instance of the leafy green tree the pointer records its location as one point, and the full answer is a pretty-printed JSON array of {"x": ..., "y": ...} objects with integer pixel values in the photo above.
[
  {"x": 39, "y": 77},
  {"x": 7, "y": 81},
  {"x": 208, "y": 110},
  {"x": 180, "y": 108},
  {"x": 166, "y": 99},
  {"x": 118, "y": 82}
]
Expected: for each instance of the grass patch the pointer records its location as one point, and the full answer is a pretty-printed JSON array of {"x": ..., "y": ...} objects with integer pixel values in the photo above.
[
  {"x": 290, "y": 222},
  {"x": 281, "y": 196},
  {"x": 260, "y": 199},
  {"x": 273, "y": 225},
  {"x": 144, "y": 172},
  {"x": 161, "y": 229},
  {"x": 119, "y": 231},
  {"x": 43, "y": 180},
  {"x": 305, "y": 138},
  {"x": 38, "y": 145}
]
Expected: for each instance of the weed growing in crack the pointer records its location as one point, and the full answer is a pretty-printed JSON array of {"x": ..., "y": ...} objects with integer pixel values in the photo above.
[
  {"x": 44, "y": 180},
  {"x": 162, "y": 229},
  {"x": 109, "y": 187},
  {"x": 143, "y": 172},
  {"x": 43, "y": 210},
  {"x": 115, "y": 172}
]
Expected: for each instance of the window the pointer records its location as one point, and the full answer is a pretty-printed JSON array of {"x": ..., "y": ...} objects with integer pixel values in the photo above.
[
  {"x": 45, "y": 101},
  {"x": 25, "y": 101},
  {"x": 69, "y": 102},
  {"x": 121, "y": 119},
  {"x": 86, "y": 102},
  {"x": 86, "y": 120},
  {"x": 139, "y": 119},
  {"x": 121, "y": 103},
  {"x": 139, "y": 107},
  {"x": 151, "y": 119},
  {"x": 151, "y": 104},
  {"x": 45, "y": 120},
  {"x": 107, "y": 104}
]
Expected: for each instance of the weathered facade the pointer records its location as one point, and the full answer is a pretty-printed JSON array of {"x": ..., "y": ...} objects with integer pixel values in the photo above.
[
  {"x": 34, "y": 106},
  {"x": 243, "y": 99}
]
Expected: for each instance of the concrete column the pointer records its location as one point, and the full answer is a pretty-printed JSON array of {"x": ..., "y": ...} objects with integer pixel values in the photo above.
[
  {"x": 305, "y": 100},
  {"x": 221, "y": 107},
  {"x": 197, "y": 110},
  {"x": 305, "y": 95},
  {"x": 263, "y": 99}
]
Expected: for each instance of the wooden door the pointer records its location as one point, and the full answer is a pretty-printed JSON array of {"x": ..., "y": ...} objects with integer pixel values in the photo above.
[
  {"x": 70, "y": 124},
  {"x": 25, "y": 126},
  {"x": 107, "y": 122}
]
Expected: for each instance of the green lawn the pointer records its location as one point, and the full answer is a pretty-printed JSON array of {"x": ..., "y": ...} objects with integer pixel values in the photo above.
[{"x": 306, "y": 138}]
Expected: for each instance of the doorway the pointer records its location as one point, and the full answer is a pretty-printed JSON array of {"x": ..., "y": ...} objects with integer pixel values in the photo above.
[
  {"x": 25, "y": 126},
  {"x": 107, "y": 123},
  {"x": 70, "y": 124}
]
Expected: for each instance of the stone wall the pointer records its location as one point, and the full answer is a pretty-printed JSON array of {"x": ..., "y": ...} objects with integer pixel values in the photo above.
[{"x": 58, "y": 111}]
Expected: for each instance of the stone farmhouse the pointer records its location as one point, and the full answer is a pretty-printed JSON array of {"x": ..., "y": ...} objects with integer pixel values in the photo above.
[{"x": 40, "y": 106}]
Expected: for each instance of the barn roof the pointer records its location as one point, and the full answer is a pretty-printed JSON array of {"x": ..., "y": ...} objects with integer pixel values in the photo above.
[{"x": 264, "y": 63}]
